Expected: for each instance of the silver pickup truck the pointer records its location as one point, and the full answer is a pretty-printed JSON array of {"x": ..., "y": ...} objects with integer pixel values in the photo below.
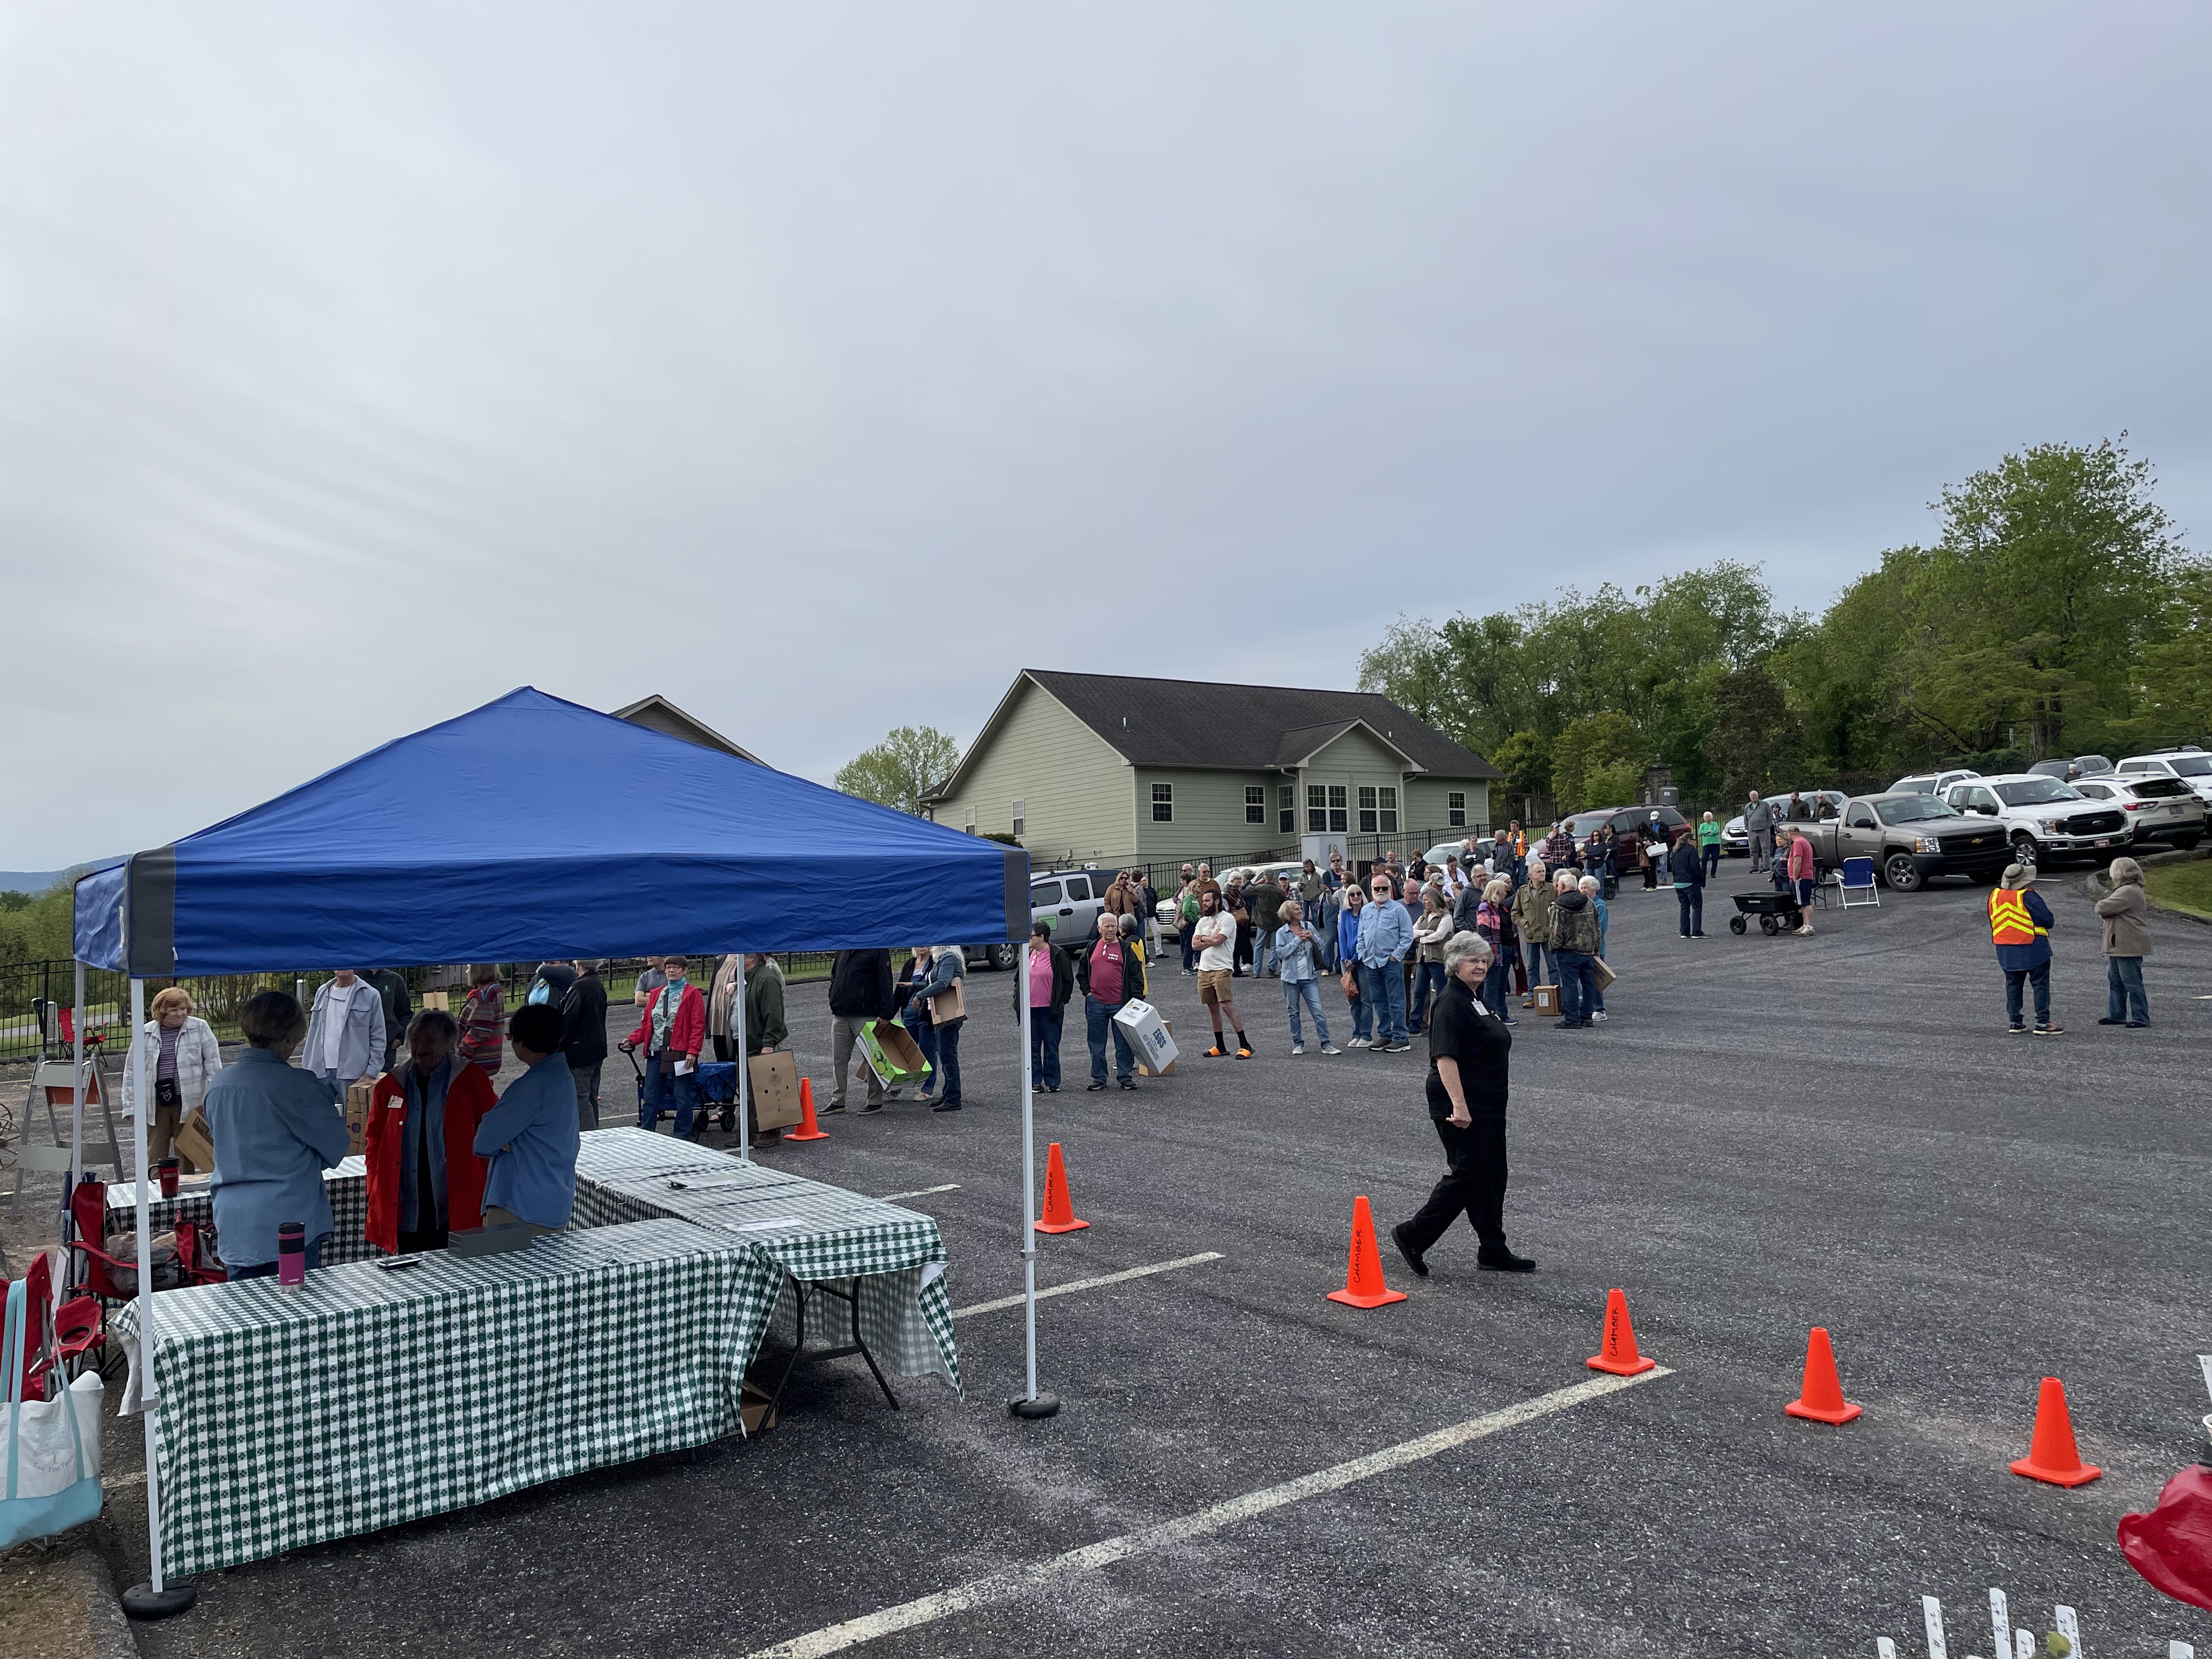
[{"x": 1912, "y": 838}]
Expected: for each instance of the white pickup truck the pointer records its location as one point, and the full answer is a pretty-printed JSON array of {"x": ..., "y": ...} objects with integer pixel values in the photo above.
[{"x": 2043, "y": 818}]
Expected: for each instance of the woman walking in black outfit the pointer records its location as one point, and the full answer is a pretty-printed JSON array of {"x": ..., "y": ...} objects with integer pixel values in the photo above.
[{"x": 1468, "y": 1051}]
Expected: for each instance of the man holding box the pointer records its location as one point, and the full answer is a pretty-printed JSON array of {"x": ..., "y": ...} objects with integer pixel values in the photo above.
[{"x": 1112, "y": 973}]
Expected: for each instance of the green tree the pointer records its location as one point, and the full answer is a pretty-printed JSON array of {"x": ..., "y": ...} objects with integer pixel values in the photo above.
[
  {"x": 1598, "y": 761},
  {"x": 901, "y": 770},
  {"x": 1756, "y": 742}
]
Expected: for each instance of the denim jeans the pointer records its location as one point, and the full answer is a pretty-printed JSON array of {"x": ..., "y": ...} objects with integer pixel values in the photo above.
[
  {"x": 1691, "y": 898},
  {"x": 1308, "y": 992},
  {"x": 1263, "y": 942},
  {"x": 1189, "y": 951},
  {"x": 948, "y": 1060},
  {"x": 587, "y": 1080},
  {"x": 1385, "y": 987},
  {"x": 1363, "y": 1010},
  {"x": 2124, "y": 990},
  {"x": 1712, "y": 859},
  {"x": 1597, "y": 991},
  {"x": 924, "y": 1033},
  {"x": 1496, "y": 986},
  {"x": 1098, "y": 1021},
  {"x": 1539, "y": 957},
  {"x": 1044, "y": 1047},
  {"x": 2039, "y": 977},
  {"x": 683, "y": 1090},
  {"x": 1578, "y": 985},
  {"x": 1428, "y": 981}
]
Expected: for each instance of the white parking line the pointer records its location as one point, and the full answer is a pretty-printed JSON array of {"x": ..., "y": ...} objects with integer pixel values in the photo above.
[
  {"x": 1091, "y": 1284},
  {"x": 1004, "y": 1586},
  {"x": 921, "y": 1192}
]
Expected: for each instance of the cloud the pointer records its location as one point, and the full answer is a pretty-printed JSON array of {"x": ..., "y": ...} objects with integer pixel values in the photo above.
[{"x": 819, "y": 367}]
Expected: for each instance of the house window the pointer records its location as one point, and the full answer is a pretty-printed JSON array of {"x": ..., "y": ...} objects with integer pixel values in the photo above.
[
  {"x": 1367, "y": 809},
  {"x": 1286, "y": 810},
  {"x": 1021, "y": 819},
  {"x": 1316, "y": 809},
  {"x": 1389, "y": 810},
  {"x": 1164, "y": 803},
  {"x": 1339, "y": 817},
  {"x": 1455, "y": 809},
  {"x": 970, "y": 823},
  {"x": 1256, "y": 802}
]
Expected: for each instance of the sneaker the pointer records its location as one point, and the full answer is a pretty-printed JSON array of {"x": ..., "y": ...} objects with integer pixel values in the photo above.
[
  {"x": 1330, "y": 1048},
  {"x": 1806, "y": 932},
  {"x": 1400, "y": 1048},
  {"x": 873, "y": 1106},
  {"x": 946, "y": 1106},
  {"x": 1600, "y": 1014},
  {"x": 1094, "y": 1085},
  {"x": 2017, "y": 1030},
  {"x": 2111, "y": 1019},
  {"x": 1360, "y": 1042},
  {"x": 1701, "y": 936},
  {"x": 2049, "y": 1030},
  {"x": 1682, "y": 936},
  {"x": 1298, "y": 1049},
  {"x": 834, "y": 1106},
  {"x": 2138, "y": 1026},
  {"x": 1128, "y": 1083}
]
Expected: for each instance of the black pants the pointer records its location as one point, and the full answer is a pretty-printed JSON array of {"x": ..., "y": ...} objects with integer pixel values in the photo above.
[
  {"x": 430, "y": 1238},
  {"x": 1475, "y": 1184},
  {"x": 722, "y": 1049}
]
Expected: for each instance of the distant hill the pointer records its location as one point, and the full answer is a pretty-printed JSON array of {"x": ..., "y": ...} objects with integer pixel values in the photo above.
[{"x": 36, "y": 882}]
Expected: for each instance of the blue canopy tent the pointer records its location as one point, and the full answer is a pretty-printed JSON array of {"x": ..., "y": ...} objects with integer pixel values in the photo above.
[{"x": 534, "y": 829}]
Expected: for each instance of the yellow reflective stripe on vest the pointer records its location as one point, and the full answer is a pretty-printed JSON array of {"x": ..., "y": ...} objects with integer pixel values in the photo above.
[{"x": 2009, "y": 922}]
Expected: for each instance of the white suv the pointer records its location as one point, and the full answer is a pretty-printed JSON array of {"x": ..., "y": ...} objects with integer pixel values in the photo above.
[
  {"x": 2160, "y": 810},
  {"x": 1931, "y": 783},
  {"x": 2192, "y": 766},
  {"x": 2044, "y": 817}
]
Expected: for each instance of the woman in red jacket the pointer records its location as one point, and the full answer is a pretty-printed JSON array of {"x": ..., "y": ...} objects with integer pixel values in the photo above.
[
  {"x": 422, "y": 1187},
  {"x": 672, "y": 1032}
]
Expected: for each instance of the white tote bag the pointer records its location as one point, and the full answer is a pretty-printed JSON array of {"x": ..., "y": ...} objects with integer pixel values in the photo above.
[{"x": 52, "y": 1450}]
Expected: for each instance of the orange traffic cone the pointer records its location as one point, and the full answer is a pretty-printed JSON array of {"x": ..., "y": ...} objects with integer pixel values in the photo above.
[
  {"x": 2051, "y": 1454},
  {"x": 1618, "y": 1353},
  {"x": 808, "y": 1129},
  {"x": 1363, "y": 1278},
  {"x": 1822, "y": 1400},
  {"x": 1058, "y": 1211}
]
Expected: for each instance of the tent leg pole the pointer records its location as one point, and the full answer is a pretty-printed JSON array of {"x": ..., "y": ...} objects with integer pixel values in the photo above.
[
  {"x": 744, "y": 1069},
  {"x": 151, "y": 1600},
  {"x": 76, "y": 1110},
  {"x": 1031, "y": 1405}
]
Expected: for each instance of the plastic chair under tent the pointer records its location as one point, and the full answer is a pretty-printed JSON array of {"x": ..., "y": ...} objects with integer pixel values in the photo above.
[{"x": 1855, "y": 883}]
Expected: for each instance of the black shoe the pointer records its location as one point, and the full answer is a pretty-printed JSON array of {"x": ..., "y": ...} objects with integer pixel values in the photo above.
[
  {"x": 1052, "y": 1088},
  {"x": 2017, "y": 1030},
  {"x": 2138, "y": 1026},
  {"x": 1412, "y": 1256},
  {"x": 1503, "y": 1261},
  {"x": 946, "y": 1106},
  {"x": 2110, "y": 1020},
  {"x": 834, "y": 1106},
  {"x": 1128, "y": 1083},
  {"x": 1095, "y": 1085},
  {"x": 877, "y": 1106},
  {"x": 1701, "y": 936}
]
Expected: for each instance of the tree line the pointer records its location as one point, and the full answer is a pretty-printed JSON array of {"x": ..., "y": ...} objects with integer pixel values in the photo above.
[{"x": 2054, "y": 613}]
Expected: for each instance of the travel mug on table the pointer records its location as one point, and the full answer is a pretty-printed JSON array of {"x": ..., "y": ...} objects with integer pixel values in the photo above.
[
  {"x": 166, "y": 1171},
  {"x": 291, "y": 1255}
]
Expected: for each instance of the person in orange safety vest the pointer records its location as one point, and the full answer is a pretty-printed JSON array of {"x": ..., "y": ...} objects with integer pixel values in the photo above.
[{"x": 2019, "y": 928}]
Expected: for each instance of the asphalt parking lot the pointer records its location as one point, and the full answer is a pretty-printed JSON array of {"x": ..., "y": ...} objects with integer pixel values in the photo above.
[{"x": 1768, "y": 1133}]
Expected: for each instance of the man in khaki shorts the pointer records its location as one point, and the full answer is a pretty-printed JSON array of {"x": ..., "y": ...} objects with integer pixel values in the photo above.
[{"x": 1216, "y": 938}]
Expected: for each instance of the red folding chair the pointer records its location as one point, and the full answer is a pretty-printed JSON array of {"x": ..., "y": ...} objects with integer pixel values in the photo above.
[{"x": 88, "y": 1209}]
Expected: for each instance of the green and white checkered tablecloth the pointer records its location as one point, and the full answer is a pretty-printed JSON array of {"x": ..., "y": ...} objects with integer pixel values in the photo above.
[
  {"x": 796, "y": 1227},
  {"x": 367, "y": 1398},
  {"x": 347, "y": 1185}
]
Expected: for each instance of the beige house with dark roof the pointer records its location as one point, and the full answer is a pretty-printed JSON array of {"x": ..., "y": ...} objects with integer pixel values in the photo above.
[{"x": 1101, "y": 766}]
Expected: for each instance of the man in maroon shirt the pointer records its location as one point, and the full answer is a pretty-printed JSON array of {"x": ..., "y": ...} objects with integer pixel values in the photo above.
[{"x": 1112, "y": 973}]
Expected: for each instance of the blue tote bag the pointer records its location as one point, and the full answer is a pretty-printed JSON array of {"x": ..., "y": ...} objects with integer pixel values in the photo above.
[{"x": 53, "y": 1463}]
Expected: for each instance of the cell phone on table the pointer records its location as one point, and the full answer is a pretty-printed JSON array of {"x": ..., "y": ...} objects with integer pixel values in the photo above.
[{"x": 394, "y": 1264}]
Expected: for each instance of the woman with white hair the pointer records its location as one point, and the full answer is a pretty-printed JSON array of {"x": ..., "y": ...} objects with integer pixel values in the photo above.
[
  {"x": 185, "y": 1058},
  {"x": 1469, "y": 1048},
  {"x": 2125, "y": 911}
]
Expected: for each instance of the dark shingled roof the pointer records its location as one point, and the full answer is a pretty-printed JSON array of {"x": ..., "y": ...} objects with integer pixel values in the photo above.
[{"x": 1197, "y": 723}]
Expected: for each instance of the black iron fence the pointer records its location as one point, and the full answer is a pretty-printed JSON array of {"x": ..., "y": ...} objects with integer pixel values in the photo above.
[{"x": 32, "y": 995}]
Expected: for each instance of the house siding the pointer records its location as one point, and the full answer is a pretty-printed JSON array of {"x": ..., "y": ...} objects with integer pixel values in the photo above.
[
  {"x": 1352, "y": 761},
  {"x": 1073, "y": 785},
  {"x": 1431, "y": 810},
  {"x": 1209, "y": 815}
]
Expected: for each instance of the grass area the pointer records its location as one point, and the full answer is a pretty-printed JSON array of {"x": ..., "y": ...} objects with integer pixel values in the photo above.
[{"x": 2185, "y": 887}]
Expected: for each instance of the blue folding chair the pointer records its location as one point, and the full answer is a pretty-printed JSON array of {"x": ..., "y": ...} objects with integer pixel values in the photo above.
[{"x": 1855, "y": 883}]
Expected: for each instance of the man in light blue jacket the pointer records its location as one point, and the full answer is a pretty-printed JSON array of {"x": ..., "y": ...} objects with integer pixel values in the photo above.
[
  {"x": 531, "y": 1136},
  {"x": 345, "y": 1032},
  {"x": 1386, "y": 934}
]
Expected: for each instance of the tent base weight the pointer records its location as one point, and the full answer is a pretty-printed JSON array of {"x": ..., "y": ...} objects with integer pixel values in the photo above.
[
  {"x": 144, "y": 1602},
  {"x": 1044, "y": 1405}
]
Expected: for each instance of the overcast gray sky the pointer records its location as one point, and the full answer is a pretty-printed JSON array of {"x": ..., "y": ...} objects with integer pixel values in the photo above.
[{"x": 820, "y": 366}]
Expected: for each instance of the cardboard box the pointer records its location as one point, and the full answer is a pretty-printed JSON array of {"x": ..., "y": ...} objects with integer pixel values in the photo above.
[
  {"x": 948, "y": 1005},
  {"x": 1168, "y": 1069},
  {"x": 1547, "y": 999},
  {"x": 193, "y": 1143},
  {"x": 437, "y": 999},
  {"x": 1148, "y": 1035},
  {"x": 1604, "y": 975},
  {"x": 772, "y": 1085},
  {"x": 892, "y": 1054},
  {"x": 358, "y": 1094}
]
